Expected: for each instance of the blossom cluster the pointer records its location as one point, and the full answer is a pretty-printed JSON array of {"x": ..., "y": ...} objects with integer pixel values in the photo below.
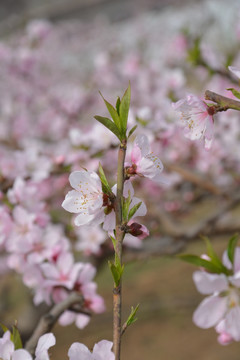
[
  {"x": 39, "y": 251},
  {"x": 94, "y": 207},
  {"x": 45, "y": 133}
]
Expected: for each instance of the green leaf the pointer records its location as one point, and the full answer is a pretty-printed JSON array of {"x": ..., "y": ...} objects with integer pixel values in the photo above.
[
  {"x": 194, "y": 54},
  {"x": 113, "y": 112},
  {"x": 132, "y": 131},
  {"x": 105, "y": 186},
  {"x": 142, "y": 122},
  {"x": 231, "y": 247},
  {"x": 133, "y": 210},
  {"x": 197, "y": 260},
  {"x": 113, "y": 241},
  {"x": 116, "y": 271},
  {"x": 16, "y": 338},
  {"x": 124, "y": 109},
  {"x": 214, "y": 257},
  {"x": 229, "y": 60},
  {"x": 132, "y": 317},
  {"x": 235, "y": 92},
  {"x": 110, "y": 125},
  {"x": 211, "y": 253},
  {"x": 5, "y": 329},
  {"x": 118, "y": 102}
]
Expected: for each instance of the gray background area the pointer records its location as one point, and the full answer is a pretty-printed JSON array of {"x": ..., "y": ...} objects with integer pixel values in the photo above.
[{"x": 15, "y": 13}]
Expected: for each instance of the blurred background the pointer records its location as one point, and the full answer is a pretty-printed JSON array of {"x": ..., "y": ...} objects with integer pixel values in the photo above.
[
  {"x": 99, "y": 45},
  {"x": 13, "y": 14}
]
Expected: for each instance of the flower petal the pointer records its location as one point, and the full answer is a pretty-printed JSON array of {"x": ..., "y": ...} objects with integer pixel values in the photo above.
[
  {"x": 79, "y": 351},
  {"x": 136, "y": 154},
  {"x": 83, "y": 219},
  {"x": 44, "y": 343},
  {"x": 74, "y": 202},
  {"x": 102, "y": 350},
  {"x": 233, "y": 323},
  {"x": 235, "y": 71},
  {"x": 67, "y": 318},
  {"x": 21, "y": 354},
  {"x": 209, "y": 283},
  {"x": 85, "y": 181},
  {"x": 237, "y": 259},
  {"x": 143, "y": 143},
  {"x": 210, "y": 311},
  {"x": 82, "y": 320}
]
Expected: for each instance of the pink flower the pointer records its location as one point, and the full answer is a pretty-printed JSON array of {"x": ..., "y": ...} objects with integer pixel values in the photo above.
[
  {"x": 38, "y": 29},
  {"x": 101, "y": 351},
  {"x": 23, "y": 229},
  {"x": 92, "y": 301},
  {"x": 90, "y": 239},
  {"x": 197, "y": 117},
  {"x": 62, "y": 273},
  {"x": 144, "y": 163},
  {"x": 5, "y": 225}
]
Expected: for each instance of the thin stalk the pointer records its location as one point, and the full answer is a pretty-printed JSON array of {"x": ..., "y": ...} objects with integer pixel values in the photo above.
[{"x": 117, "y": 291}]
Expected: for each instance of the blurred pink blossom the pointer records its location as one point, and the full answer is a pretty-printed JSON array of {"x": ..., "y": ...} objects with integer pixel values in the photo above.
[{"x": 197, "y": 117}]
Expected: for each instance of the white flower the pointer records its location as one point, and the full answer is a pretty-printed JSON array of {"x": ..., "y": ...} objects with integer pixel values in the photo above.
[
  {"x": 87, "y": 198},
  {"x": 101, "y": 351},
  {"x": 222, "y": 308}
]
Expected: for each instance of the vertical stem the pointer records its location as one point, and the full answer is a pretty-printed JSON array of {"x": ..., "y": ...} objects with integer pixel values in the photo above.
[{"x": 117, "y": 291}]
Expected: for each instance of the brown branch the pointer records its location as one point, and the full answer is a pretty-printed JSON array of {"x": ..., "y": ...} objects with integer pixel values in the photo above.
[
  {"x": 195, "y": 179},
  {"x": 224, "y": 102},
  {"x": 117, "y": 291},
  {"x": 48, "y": 320},
  {"x": 124, "y": 328}
]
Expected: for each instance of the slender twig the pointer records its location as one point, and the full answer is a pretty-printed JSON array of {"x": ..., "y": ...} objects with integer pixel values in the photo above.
[
  {"x": 48, "y": 320},
  {"x": 222, "y": 72},
  {"x": 117, "y": 291},
  {"x": 224, "y": 102},
  {"x": 195, "y": 178}
]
